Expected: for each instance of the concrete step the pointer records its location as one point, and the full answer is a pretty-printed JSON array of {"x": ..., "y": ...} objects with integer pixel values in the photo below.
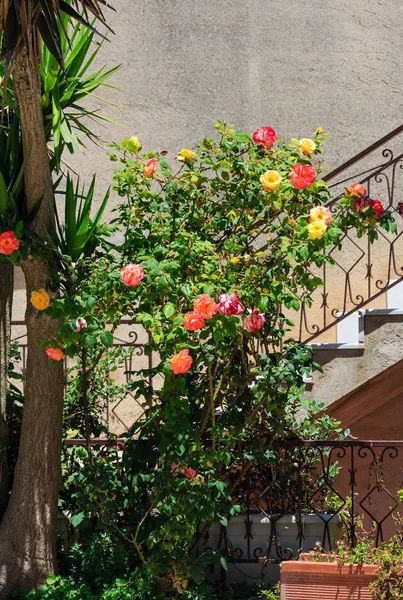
[{"x": 347, "y": 366}]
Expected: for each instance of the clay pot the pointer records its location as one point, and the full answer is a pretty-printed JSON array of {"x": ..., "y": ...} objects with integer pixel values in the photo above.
[{"x": 306, "y": 579}]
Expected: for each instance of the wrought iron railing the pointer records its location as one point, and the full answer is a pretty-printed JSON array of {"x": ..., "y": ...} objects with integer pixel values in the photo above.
[
  {"x": 363, "y": 272},
  {"x": 316, "y": 494}
]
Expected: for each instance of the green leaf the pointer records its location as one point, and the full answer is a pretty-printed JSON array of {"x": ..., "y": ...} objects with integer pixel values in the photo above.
[
  {"x": 106, "y": 338},
  {"x": 169, "y": 310},
  {"x": 223, "y": 563},
  {"x": 77, "y": 519},
  {"x": 91, "y": 301},
  {"x": 3, "y": 197}
]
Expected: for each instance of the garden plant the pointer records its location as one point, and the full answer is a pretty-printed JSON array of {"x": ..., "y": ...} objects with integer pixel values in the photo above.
[{"x": 219, "y": 248}]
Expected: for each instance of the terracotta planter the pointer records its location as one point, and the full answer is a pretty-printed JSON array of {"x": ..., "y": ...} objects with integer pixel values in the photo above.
[{"x": 310, "y": 580}]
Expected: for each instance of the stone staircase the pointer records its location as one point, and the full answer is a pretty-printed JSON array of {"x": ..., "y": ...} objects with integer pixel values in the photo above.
[{"x": 373, "y": 344}]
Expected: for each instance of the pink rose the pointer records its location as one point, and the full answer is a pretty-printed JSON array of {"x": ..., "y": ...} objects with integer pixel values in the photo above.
[
  {"x": 81, "y": 324},
  {"x": 131, "y": 275},
  {"x": 254, "y": 321},
  {"x": 229, "y": 304},
  {"x": 302, "y": 176},
  {"x": 265, "y": 136}
]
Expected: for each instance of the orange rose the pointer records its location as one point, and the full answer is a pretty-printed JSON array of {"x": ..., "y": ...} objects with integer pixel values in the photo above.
[
  {"x": 150, "y": 167},
  {"x": 357, "y": 190},
  {"x": 181, "y": 363},
  {"x": 55, "y": 353},
  {"x": 40, "y": 299},
  {"x": 205, "y": 306},
  {"x": 8, "y": 243},
  {"x": 193, "y": 321},
  {"x": 302, "y": 176}
]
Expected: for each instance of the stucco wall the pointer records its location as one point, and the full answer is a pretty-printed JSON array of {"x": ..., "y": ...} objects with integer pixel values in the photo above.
[{"x": 292, "y": 65}]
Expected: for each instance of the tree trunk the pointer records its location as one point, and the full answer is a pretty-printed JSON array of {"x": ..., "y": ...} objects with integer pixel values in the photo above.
[
  {"x": 28, "y": 528},
  {"x": 6, "y": 301}
]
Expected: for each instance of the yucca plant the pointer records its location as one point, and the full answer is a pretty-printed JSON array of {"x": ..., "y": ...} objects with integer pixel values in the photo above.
[
  {"x": 78, "y": 235},
  {"x": 11, "y": 171},
  {"x": 24, "y": 22},
  {"x": 28, "y": 527},
  {"x": 64, "y": 89}
]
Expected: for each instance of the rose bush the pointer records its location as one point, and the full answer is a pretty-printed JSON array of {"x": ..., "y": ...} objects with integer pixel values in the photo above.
[{"x": 215, "y": 250}]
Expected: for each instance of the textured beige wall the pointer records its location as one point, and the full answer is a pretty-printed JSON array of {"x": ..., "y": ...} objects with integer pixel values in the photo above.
[{"x": 292, "y": 65}]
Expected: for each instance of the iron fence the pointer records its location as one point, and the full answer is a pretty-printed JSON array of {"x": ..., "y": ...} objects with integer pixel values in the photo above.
[{"x": 317, "y": 492}]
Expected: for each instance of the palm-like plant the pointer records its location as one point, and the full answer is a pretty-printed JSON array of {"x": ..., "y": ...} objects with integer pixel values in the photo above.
[
  {"x": 23, "y": 22},
  {"x": 28, "y": 528}
]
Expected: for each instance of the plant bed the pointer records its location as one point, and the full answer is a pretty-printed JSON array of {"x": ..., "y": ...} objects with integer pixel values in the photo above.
[{"x": 323, "y": 580}]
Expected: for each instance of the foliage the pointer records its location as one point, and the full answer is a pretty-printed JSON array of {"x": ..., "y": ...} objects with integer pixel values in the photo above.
[
  {"x": 272, "y": 594},
  {"x": 22, "y": 22},
  {"x": 63, "y": 90},
  {"x": 79, "y": 235},
  {"x": 220, "y": 396},
  {"x": 66, "y": 118}
]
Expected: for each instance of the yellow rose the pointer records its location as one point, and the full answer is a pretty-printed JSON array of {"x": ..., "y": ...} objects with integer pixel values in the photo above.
[
  {"x": 319, "y": 130},
  {"x": 307, "y": 146},
  {"x": 270, "y": 180},
  {"x": 40, "y": 299},
  {"x": 136, "y": 142},
  {"x": 234, "y": 260},
  {"x": 316, "y": 229},
  {"x": 186, "y": 154}
]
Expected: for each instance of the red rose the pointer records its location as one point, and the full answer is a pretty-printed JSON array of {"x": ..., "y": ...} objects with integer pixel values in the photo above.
[
  {"x": 8, "y": 243},
  {"x": 193, "y": 321},
  {"x": 378, "y": 208},
  {"x": 265, "y": 136},
  {"x": 302, "y": 176},
  {"x": 190, "y": 473}
]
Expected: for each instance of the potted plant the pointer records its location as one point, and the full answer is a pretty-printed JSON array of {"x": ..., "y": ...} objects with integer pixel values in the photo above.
[{"x": 363, "y": 572}]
